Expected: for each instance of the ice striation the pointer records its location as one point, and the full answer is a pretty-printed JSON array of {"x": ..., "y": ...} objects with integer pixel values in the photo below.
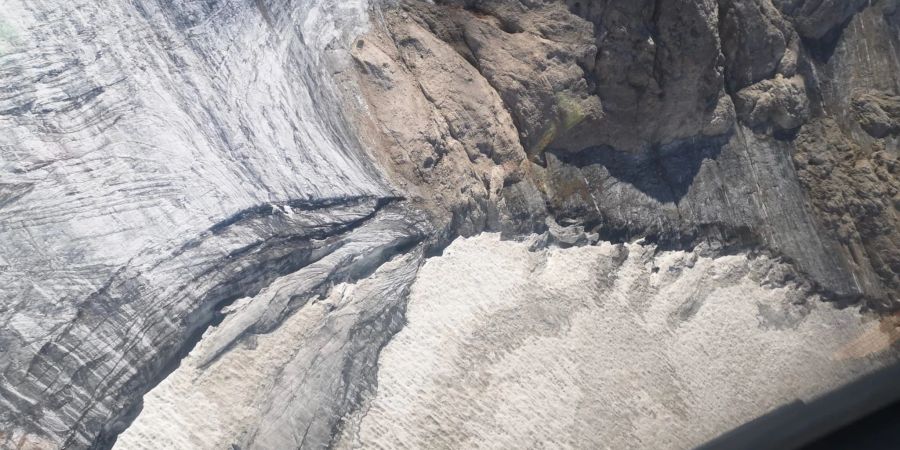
[
  {"x": 160, "y": 160},
  {"x": 289, "y": 388}
]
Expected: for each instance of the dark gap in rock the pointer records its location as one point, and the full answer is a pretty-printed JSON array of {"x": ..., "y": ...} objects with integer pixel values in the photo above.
[
  {"x": 785, "y": 135},
  {"x": 665, "y": 174},
  {"x": 505, "y": 25},
  {"x": 823, "y": 48}
]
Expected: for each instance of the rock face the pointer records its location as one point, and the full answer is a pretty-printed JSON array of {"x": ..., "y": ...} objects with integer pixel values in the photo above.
[
  {"x": 680, "y": 121},
  {"x": 250, "y": 187}
]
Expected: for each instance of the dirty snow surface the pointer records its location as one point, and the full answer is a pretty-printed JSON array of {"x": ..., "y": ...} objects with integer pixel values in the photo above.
[{"x": 606, "y": 346}]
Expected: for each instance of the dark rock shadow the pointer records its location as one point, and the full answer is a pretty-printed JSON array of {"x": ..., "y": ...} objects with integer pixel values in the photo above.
[
  {"x": 821, "y": 49},
  {"x": 664, "y": 172}
]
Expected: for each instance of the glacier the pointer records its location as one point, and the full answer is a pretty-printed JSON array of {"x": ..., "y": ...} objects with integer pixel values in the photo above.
[{"x": 408, "y": 223}]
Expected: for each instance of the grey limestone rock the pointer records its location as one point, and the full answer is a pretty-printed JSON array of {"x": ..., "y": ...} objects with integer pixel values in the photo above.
[
  {"x": 676, "y": 120},
  {"x": 780, "y": 103},
  {"x": 878, "y": 113},
  {"x": 814, "y": 19}
]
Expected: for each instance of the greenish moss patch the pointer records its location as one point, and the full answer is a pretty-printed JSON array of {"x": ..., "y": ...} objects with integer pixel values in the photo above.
[{"x": 570, "y": 113}]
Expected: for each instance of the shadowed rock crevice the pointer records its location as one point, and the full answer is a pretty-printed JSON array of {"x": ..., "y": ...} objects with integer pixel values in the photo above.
[{"x": 665, "y": 173}]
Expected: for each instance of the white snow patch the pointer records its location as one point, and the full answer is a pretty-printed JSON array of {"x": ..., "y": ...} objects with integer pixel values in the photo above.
[{"x": 610, "y": 346}]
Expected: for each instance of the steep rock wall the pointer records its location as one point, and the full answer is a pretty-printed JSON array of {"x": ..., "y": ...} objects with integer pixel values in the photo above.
[{"x": 682, "y": 121}]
